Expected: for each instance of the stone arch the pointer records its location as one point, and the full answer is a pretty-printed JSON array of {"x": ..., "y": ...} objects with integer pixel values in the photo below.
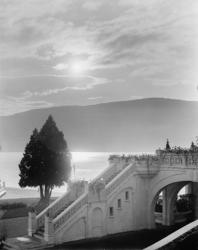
[
  {"x": 175, "y": 188},
  {"x": 173, "y": 199},
  {"x": 177, "y": 179},
  {"x": 97, "y": 224}
]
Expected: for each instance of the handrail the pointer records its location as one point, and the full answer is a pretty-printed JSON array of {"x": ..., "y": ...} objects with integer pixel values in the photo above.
[
  {"x": 41, "y": 217},
  {"x": 109, "y": 173},
  {"x": 173, "y": 236},
  {"x": 118, "y": 179},
  {"x": 69, "y": 211},
  {"x": 2, "y": 192},
  {"x": 102, "y": 174}
]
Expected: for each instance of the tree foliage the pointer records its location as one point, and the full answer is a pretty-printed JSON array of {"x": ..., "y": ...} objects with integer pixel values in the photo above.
[
  {"x": 168, "y": 145},
  {"x": 46, "y": 161}
]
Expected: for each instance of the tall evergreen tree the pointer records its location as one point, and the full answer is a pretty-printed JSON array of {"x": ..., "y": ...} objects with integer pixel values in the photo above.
[
  {"x": 168, "y": 145},
  {"x": 46, "y": 162},
  {"x": 192, "y": 147}
]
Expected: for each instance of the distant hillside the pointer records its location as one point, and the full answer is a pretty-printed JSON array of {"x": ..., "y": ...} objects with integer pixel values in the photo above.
[{"x": 132, "y": 126}]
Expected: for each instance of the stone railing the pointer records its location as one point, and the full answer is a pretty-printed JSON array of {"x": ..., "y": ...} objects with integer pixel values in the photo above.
[
  {"x": 2, "y": 192},
  {"x": 75, "y": 190},
  {"x": 178, "y": 157},
  {"x": 115, "y": 182},
  {"x": 158, "y": 217},
  {"x": 116, "y": 165},
  {"x": 52, "y": 209},
  {"x": 70, "y": 211},
  {"x": 106, "y": 175},
  {"x": 171, "y": 238},
  {"x": 179, "y": 217}
]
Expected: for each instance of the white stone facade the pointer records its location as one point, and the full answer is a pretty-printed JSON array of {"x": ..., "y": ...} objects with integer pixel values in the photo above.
[{"x": 120, "y": 199}]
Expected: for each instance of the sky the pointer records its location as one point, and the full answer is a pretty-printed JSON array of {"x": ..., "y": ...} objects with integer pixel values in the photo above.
[{"x": 81, "y": 52}]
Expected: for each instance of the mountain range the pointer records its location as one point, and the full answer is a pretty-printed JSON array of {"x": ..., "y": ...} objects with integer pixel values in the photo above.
[{"x": 128, "y": 126}]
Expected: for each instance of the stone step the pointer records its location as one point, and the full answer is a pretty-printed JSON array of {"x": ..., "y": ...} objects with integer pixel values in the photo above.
[
  {"x": 8, "y": 246},
  {"x": 39, "y": 236},
  {"x": 25, "y": 243}
]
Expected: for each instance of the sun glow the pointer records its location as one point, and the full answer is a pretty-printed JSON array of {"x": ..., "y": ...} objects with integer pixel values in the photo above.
[{"x": 78, "y": 67}]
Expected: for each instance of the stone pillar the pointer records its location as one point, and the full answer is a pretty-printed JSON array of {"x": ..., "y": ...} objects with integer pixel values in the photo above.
[
  {"x": 167, "y": 210},
  {"x": 86, "y": 227},
  {"x": 49, "y": 229},
  {"x": 164, "y": 206},
  {"x": 32, "y": 225},
  {"x": 188, "y": 189},
  {"x": 195, "y": 199}
]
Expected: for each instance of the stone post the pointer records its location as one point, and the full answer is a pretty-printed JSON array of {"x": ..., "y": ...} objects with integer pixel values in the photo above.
[
  {"x": 32, "y": 225},
  {"x": 49, "y": 229},
  {"x": 165, "y": 207},
  {"x": 195, "y": 202}
]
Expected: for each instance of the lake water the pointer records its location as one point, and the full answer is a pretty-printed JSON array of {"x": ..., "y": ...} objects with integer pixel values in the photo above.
[{"x": 87, "y": 165}]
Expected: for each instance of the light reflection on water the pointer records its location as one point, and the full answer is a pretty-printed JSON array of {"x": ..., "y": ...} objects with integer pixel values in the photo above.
[{"x": 87, "y": 165}]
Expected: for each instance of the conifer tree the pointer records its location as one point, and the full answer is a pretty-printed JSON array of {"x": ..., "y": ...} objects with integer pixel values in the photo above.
[
  {"x": 192, "y": 147},
  {"x": 168, "y": 145},
  {"x": 46, "y": 161}
]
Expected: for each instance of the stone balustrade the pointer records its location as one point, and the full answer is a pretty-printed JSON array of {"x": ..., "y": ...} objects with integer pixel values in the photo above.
[
  {"x": 75, "y": 190},
  {"x": 115, "y": 166},
  {"x": 52, "y": 209},
  {"x": 178, "y": 157},
  {"x": 70, "y": 211},
  {"x": 112, "y": 182},
  {"x": 111, "y": 186},
  {"x": 179, "y": 217}
]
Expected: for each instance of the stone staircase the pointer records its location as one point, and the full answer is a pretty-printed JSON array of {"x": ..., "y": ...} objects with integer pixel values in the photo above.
[
  {"x": 48, "y": 224},
  {"x": 110, "y": 181},
  {"x": 63, "y": 206},
  {"x": 40, "y": 230},
  {"x": 40, "y": 233},
  {"x": 56, "y": 208}
]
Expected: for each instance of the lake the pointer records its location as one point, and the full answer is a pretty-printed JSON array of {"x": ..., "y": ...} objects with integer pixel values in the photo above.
[{"x": 86, "y": 165}]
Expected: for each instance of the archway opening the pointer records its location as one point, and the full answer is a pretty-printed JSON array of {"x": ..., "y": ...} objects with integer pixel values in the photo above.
[{"x": 174, "y": 205}]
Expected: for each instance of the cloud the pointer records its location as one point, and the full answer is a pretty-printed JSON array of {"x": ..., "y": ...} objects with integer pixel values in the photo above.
[
  {"x": 95, "y": 97},
  {"x": 67, "y": 83},
  {"x": 11, "y": 105},
  {"x": 153, "y": 41},
  {"x": 61, "y": 66},
  {"x": 11, "y": 102},
  {"x": 92, "y": 5}
]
